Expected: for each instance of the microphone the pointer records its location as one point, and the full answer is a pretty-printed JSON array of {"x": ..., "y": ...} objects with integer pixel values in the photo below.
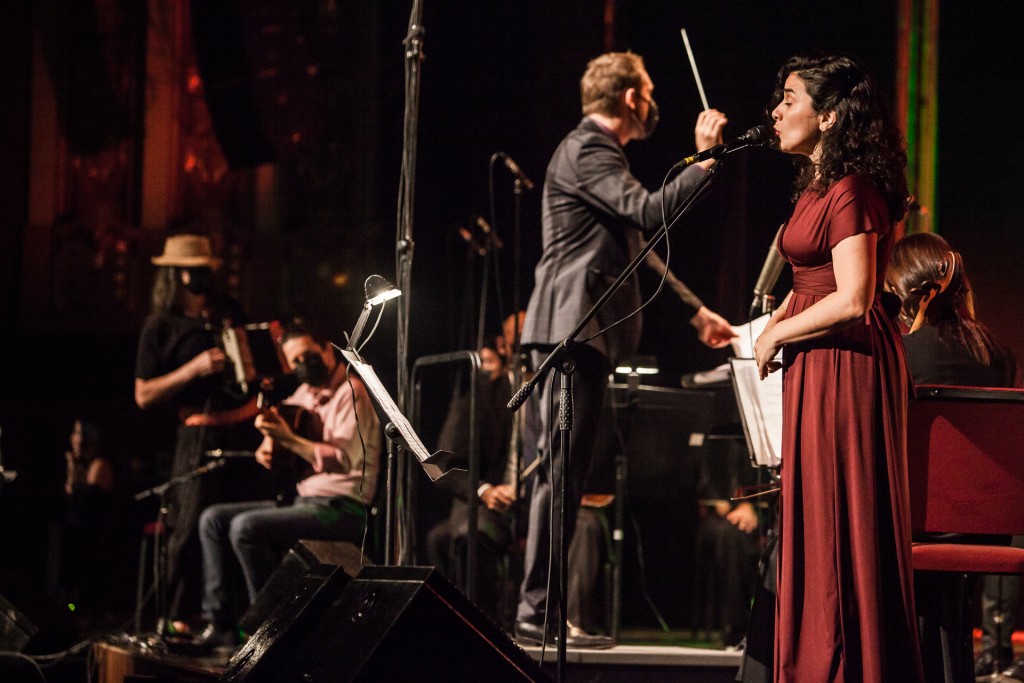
[
  {"x": 770, "y": 272},
  {"x": 513, "y": 167},
  {"x": 756, "y": 136},
  {"x": 491, "y": 235},
  {"x": 222, "y": 453}
]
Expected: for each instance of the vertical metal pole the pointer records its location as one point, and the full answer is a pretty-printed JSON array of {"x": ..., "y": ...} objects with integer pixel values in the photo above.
[
  {"x": 389, "y": 497},
  {"x": 618, "y": 540},
  {"x": 565, "y": 421}
]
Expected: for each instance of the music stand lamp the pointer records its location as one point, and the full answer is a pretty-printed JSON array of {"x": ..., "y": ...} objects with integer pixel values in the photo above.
[
  {"x": 378, "y": 290},
  {"x": 635, "y": 367},
  {"x": 397, "y": 429}
]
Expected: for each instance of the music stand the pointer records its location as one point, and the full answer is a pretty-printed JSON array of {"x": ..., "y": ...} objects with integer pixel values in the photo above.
[{"x": 399, "y": 432}]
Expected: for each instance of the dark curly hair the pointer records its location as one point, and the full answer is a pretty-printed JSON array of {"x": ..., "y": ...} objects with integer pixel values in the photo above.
[{"x": 864, "y": 139}]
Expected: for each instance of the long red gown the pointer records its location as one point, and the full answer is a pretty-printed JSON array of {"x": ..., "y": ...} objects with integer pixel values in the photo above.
[{"x": 845, "y": 595}]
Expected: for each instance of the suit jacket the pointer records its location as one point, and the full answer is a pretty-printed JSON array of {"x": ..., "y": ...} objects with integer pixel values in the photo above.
[
  {"x": 494, "y": 431},
  {"x": 593, "y": 213}
]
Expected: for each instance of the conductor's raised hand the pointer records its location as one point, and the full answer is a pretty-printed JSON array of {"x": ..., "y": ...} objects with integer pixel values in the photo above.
[{"x": 708, "y": 132}]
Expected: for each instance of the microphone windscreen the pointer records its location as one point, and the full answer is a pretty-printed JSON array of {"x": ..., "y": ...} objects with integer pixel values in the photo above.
[{"x": 758, "y": 135}]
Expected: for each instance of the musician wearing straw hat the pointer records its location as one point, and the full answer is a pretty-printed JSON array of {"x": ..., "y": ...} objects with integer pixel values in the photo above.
[{"x": 179, "y": 367}]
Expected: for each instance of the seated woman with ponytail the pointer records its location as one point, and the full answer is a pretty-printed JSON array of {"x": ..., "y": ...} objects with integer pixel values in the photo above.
[{"x": 946, "y": 344}]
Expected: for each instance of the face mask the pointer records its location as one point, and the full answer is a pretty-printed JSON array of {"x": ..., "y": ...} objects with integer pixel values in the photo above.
[
  {"x": 200, "y": 281},
  {"x": 651, "y": 122},
  {"x": 311, "y": 370}
]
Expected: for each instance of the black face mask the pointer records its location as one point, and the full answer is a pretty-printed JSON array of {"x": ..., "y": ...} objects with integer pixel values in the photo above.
[
  {"x": 311, "y": 370},
  {"x": 200, "y": 281},
  {"x": 651, "y": 122}
]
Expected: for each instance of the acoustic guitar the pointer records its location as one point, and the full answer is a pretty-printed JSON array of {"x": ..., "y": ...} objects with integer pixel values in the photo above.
[{"x": 288, "y": 467}]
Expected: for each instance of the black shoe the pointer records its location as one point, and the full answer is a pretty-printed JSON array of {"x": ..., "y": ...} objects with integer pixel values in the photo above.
[
  {"x": 531, "y": 634},
  {"x": 576, "y": 637},
  {"x": 217, "y": 638}
]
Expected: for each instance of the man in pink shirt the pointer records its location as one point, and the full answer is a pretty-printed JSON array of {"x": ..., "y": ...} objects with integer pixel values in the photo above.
[{"x": 340, "y": 454}]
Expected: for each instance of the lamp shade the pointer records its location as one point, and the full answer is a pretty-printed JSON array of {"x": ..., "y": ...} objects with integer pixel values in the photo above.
[{"x": 378, "y": 290}]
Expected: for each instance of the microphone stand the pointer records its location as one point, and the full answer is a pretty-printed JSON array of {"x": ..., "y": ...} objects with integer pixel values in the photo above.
[
  {"x": 560, "y": 359},
  {"x": 158, "y": 549},
  {"x": 412, "y": 47},
  {"x": 763, "y": 303}
]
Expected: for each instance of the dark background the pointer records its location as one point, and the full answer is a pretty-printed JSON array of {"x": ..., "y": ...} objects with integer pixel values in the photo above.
[{"x": 498, "y": 75}]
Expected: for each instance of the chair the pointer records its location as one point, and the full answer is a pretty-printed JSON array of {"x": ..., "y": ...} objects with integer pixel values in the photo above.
[{"x": 965, "y": 449}]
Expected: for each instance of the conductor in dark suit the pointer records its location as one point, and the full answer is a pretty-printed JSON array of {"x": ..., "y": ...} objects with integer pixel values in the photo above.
[{"x": 595, "y": 215}]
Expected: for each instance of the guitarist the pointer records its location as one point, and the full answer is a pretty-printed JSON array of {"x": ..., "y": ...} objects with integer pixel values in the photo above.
[{"x": 331, "y": 501}]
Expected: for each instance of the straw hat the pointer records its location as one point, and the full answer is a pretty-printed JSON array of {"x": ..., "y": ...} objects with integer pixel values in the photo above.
[{"x": 185, "y": 251}]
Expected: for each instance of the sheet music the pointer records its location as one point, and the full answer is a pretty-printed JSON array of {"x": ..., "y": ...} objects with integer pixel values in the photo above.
[
  {"x": 376, "y": 388},
  {"x": 746, "y": 335},
  {"x": 406, "y": 434},
  {"x": 760, "y": 402}
]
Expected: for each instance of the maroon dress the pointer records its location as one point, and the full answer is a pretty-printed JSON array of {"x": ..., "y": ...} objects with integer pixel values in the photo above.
[{"x": 845, "y": 595}]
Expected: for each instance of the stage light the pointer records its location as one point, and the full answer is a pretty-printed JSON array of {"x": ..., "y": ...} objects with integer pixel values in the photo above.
[{"x": 639, "y": 365}]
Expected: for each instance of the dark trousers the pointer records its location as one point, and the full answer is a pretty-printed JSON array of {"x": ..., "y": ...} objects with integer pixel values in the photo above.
[
  {"x": 185, "y": 502},
  {"x": 727, "y": 574},
  {"x": 253, "y": 536},
  {"x": 588, "y": 554},
  {"x": 589, "y": 382},
  {"x": 1000, "y": 595},
  {"x": 447, "y": 544},
  {"x": 239, "y": 480}
]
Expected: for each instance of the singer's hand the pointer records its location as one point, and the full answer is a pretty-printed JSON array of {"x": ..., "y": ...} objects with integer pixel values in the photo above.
[
  {"x": 708, "y": 132},
  {"x": 765, "y": 351},
  {"x": 712, "y": 329}
]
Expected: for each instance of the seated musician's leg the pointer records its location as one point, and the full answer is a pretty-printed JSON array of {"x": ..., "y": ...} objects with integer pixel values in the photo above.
[
  {"x": 439, "y": 547},
  {"x": 219, "y": 565},
  {"x": 261, "y": 537}
]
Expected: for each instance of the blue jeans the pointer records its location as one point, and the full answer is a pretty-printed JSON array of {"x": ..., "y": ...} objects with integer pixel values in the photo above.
[{"x": 253, "y": 536}]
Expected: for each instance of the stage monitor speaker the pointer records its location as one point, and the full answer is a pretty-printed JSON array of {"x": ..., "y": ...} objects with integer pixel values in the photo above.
[
  {"x": 15, "y": 628},
  {"x": 289, "y": 575},
  {"x": 387, "y": 624}
]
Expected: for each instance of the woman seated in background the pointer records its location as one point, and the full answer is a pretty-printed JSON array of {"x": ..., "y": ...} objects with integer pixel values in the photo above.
[
  {"x": 84, "y": 534},
  {"x": 90, "y": 479},
  {"x": 947, "y": 345}
]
